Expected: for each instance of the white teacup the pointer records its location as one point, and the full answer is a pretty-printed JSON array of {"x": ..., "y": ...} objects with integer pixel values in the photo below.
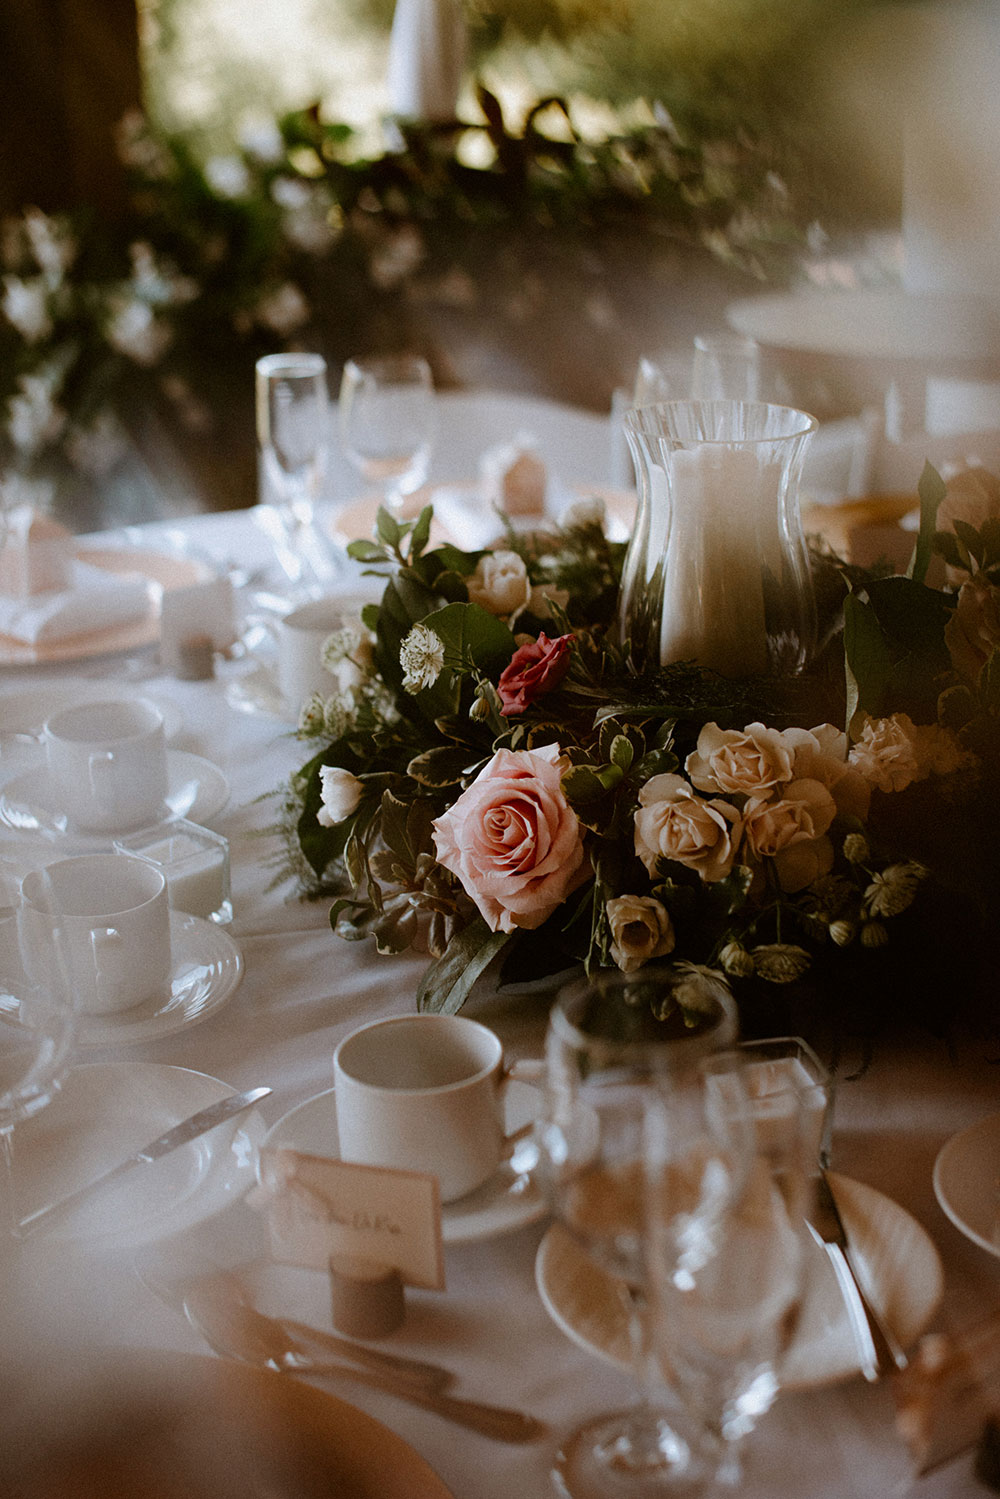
[
  {"x": 100, "y": 925},
  {"x": 108, "y": 763},
  {"x": 300, "y": 637},
  {"x": 423, "y": 1093}
]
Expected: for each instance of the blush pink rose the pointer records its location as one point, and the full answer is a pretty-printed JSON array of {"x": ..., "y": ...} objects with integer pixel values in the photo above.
[
  {"x": 820, "y": 754},
  {"x": 791, "y": 830},
  {"x": 972, "y": 633},
  {"x": 672, "y": 823},
  {"x": 534, "y": 669},
  {"x": 513, "y": 839}
]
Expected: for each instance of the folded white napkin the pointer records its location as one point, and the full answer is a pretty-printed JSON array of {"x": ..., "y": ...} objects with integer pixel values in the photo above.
[{"x": 96, "y": 600}]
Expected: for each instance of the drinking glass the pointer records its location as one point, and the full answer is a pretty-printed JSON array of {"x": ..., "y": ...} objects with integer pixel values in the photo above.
[
  {"x": 609, "y": 1040},
  {"x": 293, "y": 413},
  {"x": 36, "y": 1038},
  {"x": 726, "y": 367},
  {"x": 724, "y": 1310},
  {"x": 386, "y": 416}
]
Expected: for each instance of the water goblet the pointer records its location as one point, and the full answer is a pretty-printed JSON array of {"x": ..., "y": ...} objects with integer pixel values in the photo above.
[
  {"x": 725, "y": 1306},
  {"x": 386, "y": 418},
  {"x": 37, "y": 1026},
  {"x": 609, "y": 1039},
  {"x": 293, "y": 412},
  {"x": 726, "y": 367}
]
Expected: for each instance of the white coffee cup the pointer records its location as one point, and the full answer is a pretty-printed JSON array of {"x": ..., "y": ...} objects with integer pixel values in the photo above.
[
  {"x": 108, "y": 763},
  {"x": 423, "y": 1093},
  {"x": 97, "y": 926},
  {"x": 300, "y": 637}
]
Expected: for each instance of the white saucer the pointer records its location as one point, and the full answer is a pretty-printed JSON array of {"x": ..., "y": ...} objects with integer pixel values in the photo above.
[
  {"x": 967, "y": 1182},
  {"x": 24, "y": 710},
  {"x": 902, "y": 1263},
  {"x": 196, "y": 789},
  {"x": 101, "y": 1115},
  {"x": 509, "y": 1200},
  {"x": 207, "y": 968}
]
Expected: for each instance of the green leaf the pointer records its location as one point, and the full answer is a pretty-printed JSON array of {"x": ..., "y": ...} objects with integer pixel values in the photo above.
[
  {"x": 472, "y": 635},
  {"x": 369, "y": 617},
  {"x": 866, "y": 658},
  {"x": 581, "y": 784},
  {"x": 909, "y": 613},
  {"x": 932, "y": 491},
  {"x": 990, "y": 533},
  {"x": 946, "y": 545},
  {"x": 970, "y": 539},
  {"x": 387, "y": 527},
  {"x": 622, "y": 752},
  {"x": 446, "y": 984},
  {"x": 444, "y": 765},
  {"x": 421, "y": 531},
  {"x": 989, "y": 683},
  {"x": 367, "y": 551}
]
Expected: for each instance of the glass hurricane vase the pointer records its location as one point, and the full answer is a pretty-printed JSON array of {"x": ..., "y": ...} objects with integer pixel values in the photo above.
[{"x": 717, "y": 570}]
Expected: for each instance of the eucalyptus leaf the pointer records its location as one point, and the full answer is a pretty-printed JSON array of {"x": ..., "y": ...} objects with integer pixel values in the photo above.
[{"x": 866, "y": 658}]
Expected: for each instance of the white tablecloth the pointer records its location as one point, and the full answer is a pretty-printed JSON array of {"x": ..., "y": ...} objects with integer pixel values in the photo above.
[{"x": 303, "y": 989}]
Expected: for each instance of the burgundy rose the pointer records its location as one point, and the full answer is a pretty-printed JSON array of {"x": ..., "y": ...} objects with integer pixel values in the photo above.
[{"x": 534, "y": 668}]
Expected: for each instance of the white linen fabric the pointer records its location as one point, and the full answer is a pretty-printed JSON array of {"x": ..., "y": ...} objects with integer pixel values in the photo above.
[
  {"x": 95, "y": 600},
  {"x": 303, "y": 990}
]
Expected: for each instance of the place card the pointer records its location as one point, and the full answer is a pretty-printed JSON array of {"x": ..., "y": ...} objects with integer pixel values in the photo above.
[
  {"x": 318, "y": 1207},
  {"x": 202, "y": 610}
]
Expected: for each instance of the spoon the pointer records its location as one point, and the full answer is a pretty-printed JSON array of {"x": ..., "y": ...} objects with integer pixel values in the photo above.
[{"x": 245, "y": 1338}]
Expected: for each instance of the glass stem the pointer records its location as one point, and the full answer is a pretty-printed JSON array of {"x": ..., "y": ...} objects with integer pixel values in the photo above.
[{"x": 9, "y": 1218}]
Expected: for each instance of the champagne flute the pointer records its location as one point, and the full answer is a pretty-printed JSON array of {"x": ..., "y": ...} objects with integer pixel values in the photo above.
[
  {"x": 609, "y": 1039},
  {"x": 724, "y": 1309},
  {"x": 386, "y": 417},
  {"x": 293, "y": 412}
]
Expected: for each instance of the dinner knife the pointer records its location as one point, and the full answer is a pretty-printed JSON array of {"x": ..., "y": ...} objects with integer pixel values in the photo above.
[
  {"x": 878, "y": 1349},
  {"x": 173, "y": 1139}
]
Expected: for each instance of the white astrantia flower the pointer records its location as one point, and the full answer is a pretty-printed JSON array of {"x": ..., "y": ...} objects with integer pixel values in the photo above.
[
  {"x": 338, "y": 715},
  {"x": 283, "y": 310},
  {"x": 587, "y": 512},
  {"x": 227, "y": 176},
  {"x": 135, "y": 331},
  {"x": 780, "y": 962},
  {"x": 340, "y": 792},
  {"x": 312, "y": 717},
  {"x": 33, "y": 418},
  {"x": 421, "y": 656},
  {"x": 891, "y": 892},
  {"x": 25, "y": 306}
]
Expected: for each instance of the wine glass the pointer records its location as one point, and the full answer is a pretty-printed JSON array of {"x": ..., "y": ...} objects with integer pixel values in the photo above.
[
  {"x": 609, "y": 1039},
  {"x": 37, "y": 1026},
  {"x": 724, "y": 1308},
  {"x": 386, "y": 416},
  {"x": 726, "y": 367},
  {"x": 293, "y": 413}
]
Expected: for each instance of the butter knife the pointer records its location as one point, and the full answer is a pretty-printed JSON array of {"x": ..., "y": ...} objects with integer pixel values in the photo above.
[
  {"x": 173, "y": 1139},
  {"x": 878, "y": 1349}
]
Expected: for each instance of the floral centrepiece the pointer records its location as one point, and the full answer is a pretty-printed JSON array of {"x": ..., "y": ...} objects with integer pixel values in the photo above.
[{"x": 495, "y": 783}]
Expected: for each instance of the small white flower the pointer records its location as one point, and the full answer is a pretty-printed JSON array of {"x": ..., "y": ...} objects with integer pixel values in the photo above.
[
  {"x": 312, "y": 717},
  {"x": 641, "y": 929},
  {"x": 581, "y": 513},
  {"x": 736, "y": 961},
  {"x": 291, "y": 193},
  {"x": 349, "y": 653},
  {"x": 843, "y": 931},
  {"x": 855, "y": 848},
  {"x": 51, "y": 245},
  {"x": 34, "y": 419},
  {"x": 500, "y": 583},
  {"x": 25, "y": 306},
  {"x": 136, "y": 332},
  {"x": 283, "y": 310},
  {"x": 421, "y": 656},
  {"x": 338, "y": 715},
  {"x": 260, "y": 137},
  {"x": 227, "y": 176},
  {"x": 341, "y": 793}
]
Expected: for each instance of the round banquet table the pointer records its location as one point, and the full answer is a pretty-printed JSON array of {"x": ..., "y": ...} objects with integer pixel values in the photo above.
[{"x": 303, "y": 989}]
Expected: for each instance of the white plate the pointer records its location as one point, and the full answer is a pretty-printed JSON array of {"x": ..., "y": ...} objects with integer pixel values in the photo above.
[
  {"x": 870, "y": 323},
  {"x": 24, "y": 710},
  {"x": 207, "y": 968},
  {"x": 509, "y": 1200},
  {"x": 196, "y": 789},
  {"x": 902, "y": 1263},
  {"x": 101, "y": 1115},
  {"x": 967, "y": 1182},
  {"x": 160, "y": 572}
]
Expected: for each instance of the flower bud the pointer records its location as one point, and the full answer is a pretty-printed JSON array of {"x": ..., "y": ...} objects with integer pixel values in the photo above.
[
  {"x": 856, "y": 848},
  {"x": 843, "y": 932},
  {"x": 874, "y": 934},
  {"x": 736, "y": 961},
  {"x": 479, "y": 710}
]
